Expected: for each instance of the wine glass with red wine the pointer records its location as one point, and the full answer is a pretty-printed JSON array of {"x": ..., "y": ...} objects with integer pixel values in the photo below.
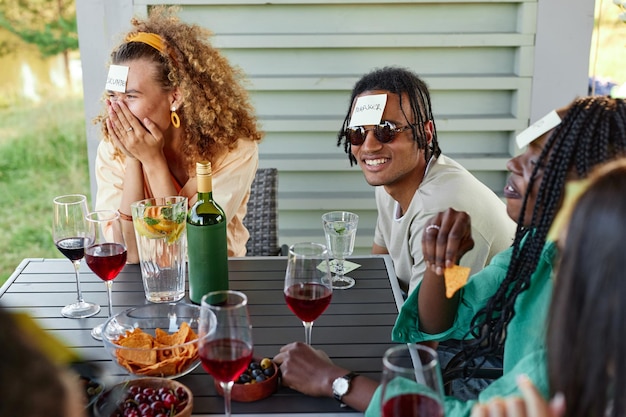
[
  {"x": 72, "y": 233},
  {"x": 411, "y": 383},
  {"x": 106, "y": 256},
  {"x": 308, "y": 283},
  {"x": 225, "y": 345}
]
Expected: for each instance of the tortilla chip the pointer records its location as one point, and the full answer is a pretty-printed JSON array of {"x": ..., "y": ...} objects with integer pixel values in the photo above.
[
  {"x": 165, "y": 368},
  {"x": 135, "y": 339},
  {"x": 175, "y": 338},
  {"x": 138, "y": 357},
  {"x": 191, "y": 335},
  {"x": 455, "y": 278}
]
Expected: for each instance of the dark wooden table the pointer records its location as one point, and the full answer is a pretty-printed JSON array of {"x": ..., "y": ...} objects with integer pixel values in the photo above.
[{"x": 355, "y": 330}]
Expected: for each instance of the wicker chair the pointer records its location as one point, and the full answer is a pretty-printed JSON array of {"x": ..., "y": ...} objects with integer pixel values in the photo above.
[{"x": 261, "y": 219}]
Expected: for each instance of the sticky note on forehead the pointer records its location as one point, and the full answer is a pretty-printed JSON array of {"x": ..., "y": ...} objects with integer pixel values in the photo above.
[
  {"x": 538, "y": 128},
  {"x": 368, "y": 110},
  {"x": 116, "y": 79}
]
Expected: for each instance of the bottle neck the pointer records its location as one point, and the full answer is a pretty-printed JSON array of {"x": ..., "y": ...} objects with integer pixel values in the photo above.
[{"x": 205, "y": 184}]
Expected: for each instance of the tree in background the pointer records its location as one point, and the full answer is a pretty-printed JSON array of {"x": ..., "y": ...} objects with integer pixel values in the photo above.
[{"x": 48, "y": 24}]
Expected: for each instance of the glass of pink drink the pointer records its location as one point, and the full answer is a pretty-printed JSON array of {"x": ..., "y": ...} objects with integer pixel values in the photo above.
[
  {"x": 225, "y": 339},
  {"x": 411, "y": 383},
  {"x": 308, "y": 283}
]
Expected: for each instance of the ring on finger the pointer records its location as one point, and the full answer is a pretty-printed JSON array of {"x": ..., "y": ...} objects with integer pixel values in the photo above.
[
  {"x": 432, "y": 227},
  {"x": 129, "y": 129}
]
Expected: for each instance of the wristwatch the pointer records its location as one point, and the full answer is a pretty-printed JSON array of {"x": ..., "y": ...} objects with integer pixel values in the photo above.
[{"x": 341, "y": 385}]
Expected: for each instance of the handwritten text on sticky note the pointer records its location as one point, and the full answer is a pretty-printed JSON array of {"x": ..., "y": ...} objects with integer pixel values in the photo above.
[
  {"x": 116, "y": 79},
  {"x": 368, "y": 110}
]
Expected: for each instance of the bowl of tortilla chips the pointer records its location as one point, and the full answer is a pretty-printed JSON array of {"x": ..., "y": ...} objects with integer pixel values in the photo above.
[{"x": 156, "y": 340}]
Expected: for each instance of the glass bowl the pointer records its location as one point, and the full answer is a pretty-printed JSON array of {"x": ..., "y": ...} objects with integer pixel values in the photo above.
[{"x": 156, "y": 340}]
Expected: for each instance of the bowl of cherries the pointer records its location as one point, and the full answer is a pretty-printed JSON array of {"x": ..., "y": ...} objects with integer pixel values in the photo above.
[{"x": 145, "y": 397}]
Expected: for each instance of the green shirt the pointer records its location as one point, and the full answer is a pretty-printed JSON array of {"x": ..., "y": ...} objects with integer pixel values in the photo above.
[{"x": 524, "y": 348}]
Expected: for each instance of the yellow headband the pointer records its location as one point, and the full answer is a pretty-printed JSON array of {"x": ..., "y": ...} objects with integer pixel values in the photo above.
[{"x": 151, "y": 39}]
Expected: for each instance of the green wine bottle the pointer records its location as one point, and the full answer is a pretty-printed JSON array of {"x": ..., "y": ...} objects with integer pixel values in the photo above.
[{"x": 206, "y": 240}]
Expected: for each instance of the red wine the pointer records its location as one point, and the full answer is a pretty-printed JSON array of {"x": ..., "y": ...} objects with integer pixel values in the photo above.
[
  {"x": 106, "y": 260},
  {"x": 412, "y": 405},
  {"x": 308, "y": 301},
  {"x": 225, "y": 359},
  {"x": 73, "y": 247}
]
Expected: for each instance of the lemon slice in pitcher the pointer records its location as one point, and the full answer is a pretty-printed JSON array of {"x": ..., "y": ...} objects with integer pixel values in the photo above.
[
  {"x": 174, "y": 235},
  {"x": 144, "y": 229}
]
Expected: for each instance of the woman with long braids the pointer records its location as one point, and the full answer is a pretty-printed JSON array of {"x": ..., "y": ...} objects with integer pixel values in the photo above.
[
  {"x": 172, "y": 100},
  {"x": 504, "y": 306},
  {"x": 585, "y": 342}
]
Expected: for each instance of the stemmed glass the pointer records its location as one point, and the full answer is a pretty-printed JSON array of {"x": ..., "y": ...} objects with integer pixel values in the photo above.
[
  {"x": 225, "y": 348},
  {"x": 411, "y": 382},
  {"x": 308, "y": 288},
  {"x": 72, "y": 233},
  {"x": 340, "y": 230},
  {"x": 107, "y": 255}
]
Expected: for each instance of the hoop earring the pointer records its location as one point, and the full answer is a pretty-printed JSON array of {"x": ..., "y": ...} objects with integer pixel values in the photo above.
[{"x": 174, "y": 118}]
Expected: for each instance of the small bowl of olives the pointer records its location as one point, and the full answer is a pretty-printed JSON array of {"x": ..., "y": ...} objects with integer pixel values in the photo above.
[{"x": 259, "y": 381}]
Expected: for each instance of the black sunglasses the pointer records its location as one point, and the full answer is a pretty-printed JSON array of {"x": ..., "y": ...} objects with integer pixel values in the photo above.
[{"x": 384, "y": 133}]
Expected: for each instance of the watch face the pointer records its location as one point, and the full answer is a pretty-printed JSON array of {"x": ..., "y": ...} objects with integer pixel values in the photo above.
[{"x": 340, "y": 386}]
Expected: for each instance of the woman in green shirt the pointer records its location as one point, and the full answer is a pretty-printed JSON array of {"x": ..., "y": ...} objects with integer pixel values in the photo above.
[
  {"x": 587, "y": 323},
  {"x": 506, "y": 304}
]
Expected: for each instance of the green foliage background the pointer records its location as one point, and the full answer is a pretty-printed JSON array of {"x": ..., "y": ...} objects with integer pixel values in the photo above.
[
  {"x": 43, "y": 153},
  {"x": 48, "y": 24}
]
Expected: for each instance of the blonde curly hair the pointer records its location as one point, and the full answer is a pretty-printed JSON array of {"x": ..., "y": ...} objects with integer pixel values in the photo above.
[{"x": 216, "y": 111}]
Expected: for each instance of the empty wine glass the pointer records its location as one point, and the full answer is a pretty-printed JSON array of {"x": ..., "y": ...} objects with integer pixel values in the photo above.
[
  {"x": 106, "y": 256},
  {"x": 340, "y": 231},
  {"x": 225, "y": 349},
  {"x": 72, "y": 233},
  {"x": 411, "y": 382},
  {"x": 308, "y": 288}
]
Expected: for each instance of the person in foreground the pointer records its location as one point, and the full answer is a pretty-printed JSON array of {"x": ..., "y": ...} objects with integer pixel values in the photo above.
[
  {"x": 32, "y": 380},
  {"x": 389, "y": 130},
  {"x": 513, "y": 292},
  {"x": 586, "y": 364},
  {"x": 173, "y": 100}
]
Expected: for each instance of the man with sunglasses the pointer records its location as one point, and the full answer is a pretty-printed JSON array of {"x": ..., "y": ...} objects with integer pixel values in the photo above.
[{"x": 390, "y": 132}]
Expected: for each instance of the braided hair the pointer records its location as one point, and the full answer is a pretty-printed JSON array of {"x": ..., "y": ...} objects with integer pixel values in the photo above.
[
  {"x": 397, "y": 81},
  {"x": 592, "y": 132}
]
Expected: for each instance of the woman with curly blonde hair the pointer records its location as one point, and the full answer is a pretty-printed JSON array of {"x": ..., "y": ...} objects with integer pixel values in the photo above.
[{"x": 182, "y": 102}]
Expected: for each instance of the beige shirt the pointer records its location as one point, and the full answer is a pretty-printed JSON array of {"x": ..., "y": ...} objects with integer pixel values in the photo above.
[
  {"x": 232, "y": 177},
  {"x": 446, "y": 184}
]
